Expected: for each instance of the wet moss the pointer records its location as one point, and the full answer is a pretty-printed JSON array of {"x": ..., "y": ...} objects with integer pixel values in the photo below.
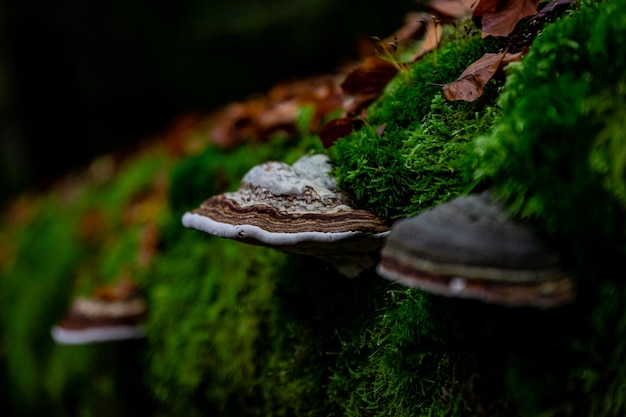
[
  {"x": 53, "y": 261},
  {"x": 240, "y": 330},
  {"x": 562, "y": 107},
  {"x": 415, "y": 163}
]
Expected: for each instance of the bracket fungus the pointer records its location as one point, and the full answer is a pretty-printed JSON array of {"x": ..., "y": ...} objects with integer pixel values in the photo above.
[
  {"x": 111, "y": 314},
  {"x": 295, "y": 209},
  {"x": 470, "y": 248}
]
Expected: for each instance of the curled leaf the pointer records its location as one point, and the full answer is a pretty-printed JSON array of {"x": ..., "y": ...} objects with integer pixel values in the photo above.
[
  {"x": 364, "y": 84},
  {"x": 370, "y": 77},
  {"x": 499, "y": 17},
  {"x": 414, "y": 24},
  {"x": 337, "y": 129},
  {"x": 453, "y": 8},
  {"x": 432, "y": 38},
  {"x": 469, "y": 86}
]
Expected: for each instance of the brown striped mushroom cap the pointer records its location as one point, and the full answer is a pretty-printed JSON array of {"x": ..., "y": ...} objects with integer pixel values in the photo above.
[
  {"x": 295, "y": 209},
  {"x": 470, "y": 248},
  {"x": 92, "y": 320}
]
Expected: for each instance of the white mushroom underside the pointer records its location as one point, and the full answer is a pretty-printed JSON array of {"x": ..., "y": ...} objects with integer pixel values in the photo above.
[
  {"x": 250, "y": 232},
  {"x": 296, "y": 209},
  {"x": 65, "y": 336}
]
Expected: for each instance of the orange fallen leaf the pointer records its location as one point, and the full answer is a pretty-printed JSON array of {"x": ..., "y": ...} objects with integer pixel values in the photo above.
[
  {"x": 260, "y": 117},
  {"x": 500, "y": 17},
  {"x": 414, "y": 24},
  {"x": 337, "y": 129},
  {"x": 124, "y": 289},
  {"x": 370, "y": 77},
  {"x": 469, "y": 86},
  {"x": 483, "y": 7},
  {"x": 432, "y": 38},
  {"x": 148, "y": 244},
  {"x": 508, "y": 57},
  {"x": 366, "y": 82},
  {"x": 453, "y": 8},
  {"x": 91, "y": 225}
]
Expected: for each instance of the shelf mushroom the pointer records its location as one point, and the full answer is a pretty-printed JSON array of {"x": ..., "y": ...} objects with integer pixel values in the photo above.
[
  {"x": 112, "y": 314},
  {"x": 470, "y": 248},
  {"x": 93, "y": 321},
  {"x": 295, "y": 209}
]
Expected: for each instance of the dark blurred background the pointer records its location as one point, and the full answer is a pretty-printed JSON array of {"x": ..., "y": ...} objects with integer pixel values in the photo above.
[{"x": 79, "y": 78}]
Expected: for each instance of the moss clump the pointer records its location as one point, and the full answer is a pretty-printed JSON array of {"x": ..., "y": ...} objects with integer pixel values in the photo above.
[
  {"x": 406, "y": 363},
  {"x": 211, "y": 304},
  {"x": 415, "y": 163},
  {"x": 32, "y": 295},
  {"x": 241, "y": 330},
  {"x": 83, "y": 234},
  {"x": 557, "y": 155}
]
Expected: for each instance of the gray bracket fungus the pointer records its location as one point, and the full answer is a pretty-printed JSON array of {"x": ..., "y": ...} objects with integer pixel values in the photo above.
[
  {"x": 295, "y": 209},
  {"x": 470, "y": 248},
  {"x": 92, "y": 320}
]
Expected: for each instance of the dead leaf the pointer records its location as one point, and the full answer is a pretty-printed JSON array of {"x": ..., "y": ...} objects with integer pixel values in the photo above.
[
  {"x": 469, "y": 86},
  {"x": 354, "y": 103},
  {"x": 280, "y": 116},
  {"x": 414, "y": 24},
  {"x": 124, "y": 289},
  {"x": 177, "y": 134},
  {"x": 337, "y": 129},
  {"x": 551, "y": 8},
  {"x": 370, "y": 77},
  {"x": 508, "y": 58},
  {"x": 453, "y": 8},
  {"x": 500, "y": 17},
  {"x": 380, "y": 130},
  {"x": 484, "y": 7},
  {"x": 148, "y": 244},
  {"x": 91, "y": 225},
  {"x": 365, "y": 83},
  {"x": 261, "y": 117},
  {"x": 432, "y": 38}
]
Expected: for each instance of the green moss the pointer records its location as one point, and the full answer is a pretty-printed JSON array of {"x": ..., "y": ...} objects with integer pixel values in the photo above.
[
  {"x": 210, "y": 300},
  {"x": 556, "y": 157},
  {"x": 416, "y": 162},
  {"x": 548, "y": 156},
  {"x": 32, "y": 296},
  {"x": 213, "y": 300},
  {"x": 53, "y": 262},
  {"x": 240, "y": 330}
]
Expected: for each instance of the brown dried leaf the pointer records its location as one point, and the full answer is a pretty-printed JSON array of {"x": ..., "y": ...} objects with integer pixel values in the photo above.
[
  {"x": 337, "y": 129},
  {"x": 551, "y": 7},
  {"x": 453, "y": 8},
  {"x": 91, "y": 225},
  {"x": 370, "y": 77},
  {"x": 508, "y": 58},
  {"x": 260, "y": 117},
  {"x": 484, "y": 7},
  {"x": 414, "y": 24},
  {"x": 432, "y": 38},
  {"x": 178, "y": 134},
  {"x": 124, "y": 289},
  {"x": 469, "y": 86},
  {"x": 148, "y": 244},
  {"x": 354, "y": 103},
  {"x": 501, "y": 19},
  {"x": 235, "y": 123}
]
